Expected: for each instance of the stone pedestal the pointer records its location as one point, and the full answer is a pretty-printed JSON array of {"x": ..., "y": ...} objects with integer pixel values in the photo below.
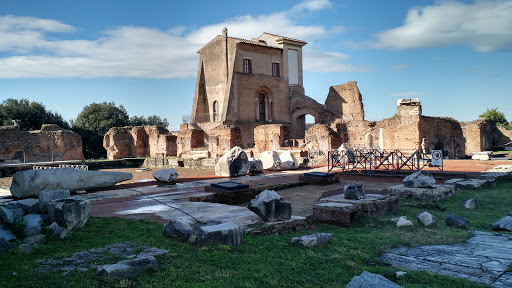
[
  {"x": 231, "y": 192},
  {"x": 319, "y": 178}
]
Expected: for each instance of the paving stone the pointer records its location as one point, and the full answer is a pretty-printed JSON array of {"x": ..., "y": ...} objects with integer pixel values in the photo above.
[
  {"x": 437, "y": 192},
  {"x": 483, "y": 259}
]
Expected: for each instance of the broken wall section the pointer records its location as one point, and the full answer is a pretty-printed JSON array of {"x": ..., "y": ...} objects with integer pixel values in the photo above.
[
  {"x": 49, "y": 143},
  {"x": 139, "y": 141}
]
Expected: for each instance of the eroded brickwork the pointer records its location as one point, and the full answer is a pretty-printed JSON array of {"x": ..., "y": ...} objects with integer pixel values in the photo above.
[
  {"x": 49, "y": 143},
  {"x": 139, "y": 141}
]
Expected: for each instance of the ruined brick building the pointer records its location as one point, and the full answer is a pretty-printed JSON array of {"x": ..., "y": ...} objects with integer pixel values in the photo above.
[
  {"x": 48, "y": 144},
  {"x": 250, "y": 93}
]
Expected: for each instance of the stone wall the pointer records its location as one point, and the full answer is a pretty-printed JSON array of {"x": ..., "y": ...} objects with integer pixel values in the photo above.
[
  {"x": 270, "y": 137},
  {"x": 49, "y": 143},
  {"x": 322, "y": 137},
  {"x": 222, "y": 138},
  {"x": 139, "y": 141},
  {"x": 189, "y": 137},
  {"x": 347, "y": 99},
  {"x": 501, "y": 136},
  {"x": 478, "y": 135},
  {"x": 443, "y": 133}
]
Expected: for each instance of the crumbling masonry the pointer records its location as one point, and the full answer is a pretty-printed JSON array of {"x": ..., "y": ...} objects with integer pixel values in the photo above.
[{"x": 249, "y": 93}]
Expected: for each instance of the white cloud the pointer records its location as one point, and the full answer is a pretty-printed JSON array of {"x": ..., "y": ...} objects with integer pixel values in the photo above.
[
  {"x": 484, "y": 25},
  {"x": 144, "y": 52},
  {"x": 314, "y": 5},
  {"x": 406, "y": 94},
  {"x": 324, "y": 61}
]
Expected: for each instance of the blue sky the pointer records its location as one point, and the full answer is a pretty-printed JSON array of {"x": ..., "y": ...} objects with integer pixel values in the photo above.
[{"x": 456, "y": 56}]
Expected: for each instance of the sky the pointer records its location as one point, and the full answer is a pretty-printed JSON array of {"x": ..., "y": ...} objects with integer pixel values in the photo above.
[{"x": 456, "y": 56}]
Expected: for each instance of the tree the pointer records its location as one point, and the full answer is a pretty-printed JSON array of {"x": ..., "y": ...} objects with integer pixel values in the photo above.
[
  {"x": 151, "y": 120},
  {"x": 496, "y": 117},
  {"x": 32, "y": 115},
  {"x": 93, "y": 123}
]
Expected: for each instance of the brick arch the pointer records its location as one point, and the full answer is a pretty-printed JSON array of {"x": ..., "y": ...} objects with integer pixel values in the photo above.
[
  {"x": 263, "y": 106},
  {"x": 299, "y": 121}
]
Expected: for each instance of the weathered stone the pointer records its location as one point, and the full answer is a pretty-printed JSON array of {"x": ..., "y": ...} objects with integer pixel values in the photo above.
[
  {"x": 40, "y": 145},
  {"x": 226, "y": 233},
  {"x": 52, "y": 227},
  {"x": 420, "y": 179},
  {"x": 6, "y": 235},
  {"x": 233, "y": 163},
  {"x": 70, "y": 213},
  {"x": 288, "y": 161},
  {"x": 467, "y": 183},
  {"x": 4, "y": 245},
  {"x": 17, "y": 213},
  {"x": 166, "y": 175},
  {"x": 402, "y": 221},
  {"x": 427, "y": 220},
  {"x": 458, "y": 222},
  {"x": 61, "y": 233},
  {"x": 6, "y": 215},
  {"x": 346, "y": 154},
  {"x": 504, "y": 223},
  {"x": 482, "y": 156},
  {"x": 180, "y": 229},
  {"x": 32, "y": 224},
  {"x": 334, "y": 213},
  {"x": 255, "y": 166},
  {"x": 139, "y": 141},
  {"x": 29, "y": 183},
  {"x": 354, "y": 191},
  {"x": 270, "y": 160},
  {"x": 437, "y": 192},
  {"x": 367, "y": 280},
  {"x": 313, "y": 240},
  {"x": 471, "y": 204},
  {"x": 271, "y": 206},
  {"x": 36, "y": 239},
  {"x": 205, "y": 234},
  {"x": 126, "y": 268},
  {"x": 484, "y": 258},
  {"x": 47, "y": 196},
  {"x": 27, "y": 249},
  {"x": 30, "y": 205}
]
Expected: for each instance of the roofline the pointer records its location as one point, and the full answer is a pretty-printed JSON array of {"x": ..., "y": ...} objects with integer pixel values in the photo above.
[{"x": 286, "y": 39}]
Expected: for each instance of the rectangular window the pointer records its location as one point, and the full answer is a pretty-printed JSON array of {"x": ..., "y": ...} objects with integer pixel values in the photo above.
[
  {"x": 247, "y": 66},
  {"x": 293, "y": 67},
  {"x": 275, "y": 69}
]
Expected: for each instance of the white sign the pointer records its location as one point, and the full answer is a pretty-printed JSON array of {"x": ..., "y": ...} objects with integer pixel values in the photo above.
[{"x": 437, "y": 158}]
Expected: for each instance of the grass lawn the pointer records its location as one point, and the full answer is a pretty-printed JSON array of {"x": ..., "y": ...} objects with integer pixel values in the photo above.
[{"x": 267, "y": 261}]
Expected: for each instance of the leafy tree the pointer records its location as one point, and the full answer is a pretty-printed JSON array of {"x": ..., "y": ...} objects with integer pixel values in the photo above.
[
  {"x": 94, "y": 121},
  {"x": 496, "y": 117},
  {"x": 32, "y": 115},
  {"x": 151, "y": 120}
]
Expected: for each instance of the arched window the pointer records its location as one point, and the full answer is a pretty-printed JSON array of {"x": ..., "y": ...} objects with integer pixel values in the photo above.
[
  {"x": 263, "y": 105},
  {"x": 215, "y": 111}
]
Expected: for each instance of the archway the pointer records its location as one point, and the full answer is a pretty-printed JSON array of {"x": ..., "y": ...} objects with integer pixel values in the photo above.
[{"x": 303, "y": 120}]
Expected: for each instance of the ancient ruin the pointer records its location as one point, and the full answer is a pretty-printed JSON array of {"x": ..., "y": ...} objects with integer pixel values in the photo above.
[
  {"x": 249, "y": 93},
  {"x": 51, "y": 143}
]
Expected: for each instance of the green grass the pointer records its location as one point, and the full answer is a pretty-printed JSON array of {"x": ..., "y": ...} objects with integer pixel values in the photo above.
[{"x": 267, "y": 261}]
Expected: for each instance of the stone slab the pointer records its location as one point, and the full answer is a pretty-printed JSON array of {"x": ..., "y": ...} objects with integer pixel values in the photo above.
[
  {"x": 483, "y": 259},
  {"x": 371, "y": 204},
  {"x": 438, "y": 192},
  {"x": 335, "y": 213},
  {"x": 230, "y": 186}
]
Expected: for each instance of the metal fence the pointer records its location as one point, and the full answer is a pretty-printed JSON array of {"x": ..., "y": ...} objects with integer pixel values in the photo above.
[{"x": 369, "y": 160}]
